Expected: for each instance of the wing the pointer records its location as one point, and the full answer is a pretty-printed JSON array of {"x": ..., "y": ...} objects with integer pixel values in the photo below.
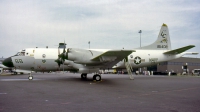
[
  {"x": 112, "y": 57},
  {"x": 179, "y": 50}
]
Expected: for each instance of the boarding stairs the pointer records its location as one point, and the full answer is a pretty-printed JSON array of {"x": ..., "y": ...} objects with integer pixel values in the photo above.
[{"x": 129, "y": 69}]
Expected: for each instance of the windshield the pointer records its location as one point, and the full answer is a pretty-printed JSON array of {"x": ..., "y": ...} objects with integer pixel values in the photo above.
[{"x": 20, "y": 53}]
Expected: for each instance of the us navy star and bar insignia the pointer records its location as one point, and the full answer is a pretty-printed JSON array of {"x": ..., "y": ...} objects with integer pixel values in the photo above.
[{"x": 137, "y": 60}]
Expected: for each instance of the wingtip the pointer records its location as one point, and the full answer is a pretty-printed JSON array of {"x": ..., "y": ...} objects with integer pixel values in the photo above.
[{"x": 192, "y": 45}]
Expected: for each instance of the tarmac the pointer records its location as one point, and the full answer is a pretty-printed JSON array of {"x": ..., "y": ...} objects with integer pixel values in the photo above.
[{"x": 58, "y": 92}]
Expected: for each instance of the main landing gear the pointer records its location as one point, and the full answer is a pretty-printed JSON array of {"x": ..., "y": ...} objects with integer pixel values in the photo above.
[
  {"x": 96, "y": 77},
  {"x": 83, "y": 76}
]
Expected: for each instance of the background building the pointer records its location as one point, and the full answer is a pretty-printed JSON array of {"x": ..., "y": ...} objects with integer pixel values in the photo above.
[{"x": 179, "y": 65}]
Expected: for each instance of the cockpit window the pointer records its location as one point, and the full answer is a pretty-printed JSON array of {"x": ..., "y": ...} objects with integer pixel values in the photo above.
[
  {"x": 18, "y": 53},
  {"x": 21, "y": 53}
]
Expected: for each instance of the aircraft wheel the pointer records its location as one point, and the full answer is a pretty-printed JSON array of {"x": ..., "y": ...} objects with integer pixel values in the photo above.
[
  {"x": 30, "y": 78},
  {"x": 94, "y": 77},
  {"x": 83, "y": 76},
  {"x": 97, "y": 77}
]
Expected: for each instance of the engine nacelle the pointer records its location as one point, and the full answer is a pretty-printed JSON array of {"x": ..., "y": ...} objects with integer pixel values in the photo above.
[{"x": 82, "y": 56}]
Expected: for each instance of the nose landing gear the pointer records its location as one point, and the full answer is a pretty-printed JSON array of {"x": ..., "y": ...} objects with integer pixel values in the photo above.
[{"x": 30, "y": 77}]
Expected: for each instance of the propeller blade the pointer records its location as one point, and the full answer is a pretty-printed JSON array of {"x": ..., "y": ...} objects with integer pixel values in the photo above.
[{"x": 58, "y": 60}]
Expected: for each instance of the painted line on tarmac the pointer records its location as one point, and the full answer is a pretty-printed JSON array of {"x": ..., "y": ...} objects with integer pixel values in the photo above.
[
  {"x": 18, "y": 79},
  {"x": 6, "y": 74}
]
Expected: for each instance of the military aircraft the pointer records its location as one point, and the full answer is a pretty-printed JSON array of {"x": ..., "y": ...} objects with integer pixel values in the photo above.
[
  {"x": 92, "y": 60},
  {"x": 49, "y": 59}
]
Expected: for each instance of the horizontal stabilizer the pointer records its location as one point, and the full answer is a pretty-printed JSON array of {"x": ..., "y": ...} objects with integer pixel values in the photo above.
[
  {"x": 179, "y": 50},
  {"x": 112, "y": 54}
]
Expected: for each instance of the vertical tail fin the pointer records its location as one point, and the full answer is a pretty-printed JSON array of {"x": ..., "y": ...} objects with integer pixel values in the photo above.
[{"x": 163, "y": 41}]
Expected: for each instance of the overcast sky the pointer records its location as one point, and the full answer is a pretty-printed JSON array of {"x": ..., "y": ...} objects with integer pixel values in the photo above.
[{"x": 107, "y": 24}]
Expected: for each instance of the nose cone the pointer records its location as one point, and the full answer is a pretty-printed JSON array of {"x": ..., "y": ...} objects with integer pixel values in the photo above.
[{"x": 8, "y": 62}]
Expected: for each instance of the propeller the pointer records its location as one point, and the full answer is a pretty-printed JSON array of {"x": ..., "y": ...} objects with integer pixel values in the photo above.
[
  {"x": 61, "y": 57},
  {"x": 64, "y": 54}
]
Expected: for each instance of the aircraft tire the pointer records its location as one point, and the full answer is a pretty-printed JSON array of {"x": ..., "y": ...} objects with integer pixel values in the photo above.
[
  {"x": 83, "y": 76},
  {"x": 94, "y": 77},
  {"x": 30, "y": 78},
  {"x": 97, "y": 77}
]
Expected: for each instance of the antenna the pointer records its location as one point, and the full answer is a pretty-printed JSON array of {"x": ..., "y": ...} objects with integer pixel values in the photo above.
[{"x": 140, "y": 31}]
